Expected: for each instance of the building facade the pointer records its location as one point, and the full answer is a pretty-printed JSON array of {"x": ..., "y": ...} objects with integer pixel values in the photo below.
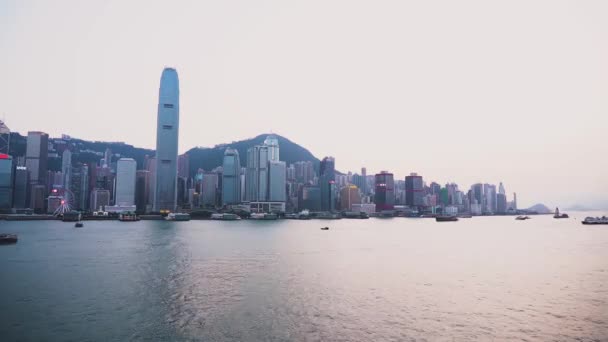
[
  {"x": 126, "y": 169},
  {"x": 167, "y": 133},
  {"x": 231, "y": 177}
]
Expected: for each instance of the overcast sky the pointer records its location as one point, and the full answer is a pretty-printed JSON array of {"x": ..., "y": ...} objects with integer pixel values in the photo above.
[{"x": 463, "y": 91}]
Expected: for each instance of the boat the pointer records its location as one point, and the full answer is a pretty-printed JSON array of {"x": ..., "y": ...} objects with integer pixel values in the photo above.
[
  {"x": 79, "y": 224},
  {"x": 558, "y": 215},
  {"x": 595, "y": 220},
  {"x": 522, "y": 218},
  {"x": 225, "y": 217},
  {"x": 324, "y": 228},
  {"x": 8, "y": 239},
  {"x": 178, "y": 217},
  {"x": 303, "y": 215},
  {"x": 128, "y": 217},
  {"x": 264, "y": 216},
  {"x": 446, "y": 218}
]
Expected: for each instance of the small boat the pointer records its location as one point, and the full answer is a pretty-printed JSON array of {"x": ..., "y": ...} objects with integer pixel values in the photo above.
[
  {"x": 324, "y": 228},
  {"x": 595, "y": 220},
  {"x": 8, "y": 239},
  {"x": 522, "y": 218},
  {"x": 178, "y": 217},
  {"x": 79, "y": 224},
  {"x": 446, "y": 218},
  {"x": 558, "y": 215}
]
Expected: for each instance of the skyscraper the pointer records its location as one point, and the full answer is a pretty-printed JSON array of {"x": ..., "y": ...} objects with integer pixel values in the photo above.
[
  {"x": 36, "y": 156},
  {"x": 327, "y": 180},
  {"x": 385, "y": 191},
  {"x": 414, "y": 190},
  {"x": 349, "y": 195},
  {"x": 20, "y": 187},
  {"x": 142, "y": 186},
  {"x": 231, "y": 182},
  {"x": 167, "y": 133},
  {"x": 276, "y": 181},
  {"x": 257, "y": 174},
  {"x": 6, "y": 181},
  {"x": 66, "y": 168},
  {"x": 126, "y": 169},
  {"x": 273, "y": 147}
]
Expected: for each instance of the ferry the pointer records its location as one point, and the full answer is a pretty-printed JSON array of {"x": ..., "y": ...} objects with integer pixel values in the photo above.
[
  {"x": 79, "y": 224},
  {"x": 446, "y": 218},
  {"x": 8, "y": 239},
  {"x": 178, "y": 217},
  {"x": 128, "y": 217},
  {"x": 225, "y": 217},
  {"x": 558, "y": 215},
  {"x": 264, "y": 216},
  {"x": 522, "y": 218},
  {"x": 595, "y": 220}
]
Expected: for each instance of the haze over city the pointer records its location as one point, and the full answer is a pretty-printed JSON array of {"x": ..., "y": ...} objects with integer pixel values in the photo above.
[{"x": 466, "y": 92}]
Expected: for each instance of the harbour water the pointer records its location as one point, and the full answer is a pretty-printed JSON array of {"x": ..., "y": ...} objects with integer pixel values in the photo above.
[{"x": 484, "y": 278}]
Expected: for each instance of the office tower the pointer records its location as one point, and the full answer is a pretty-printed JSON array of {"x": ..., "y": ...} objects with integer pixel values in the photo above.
[
  {"x": 363, "y": 186},
  {"x": 309, "y": 198},
  {"x": 107, "y": 158},
  {"x": 385, "y": 191},
  {"x": 209, "y": 187},
  {"x": 37, "y": 156},
  {"x": 5, "y": 138},
  {"x": 151, "y": 167},
  {"x": 434, "y": 188},
  {"x": 66, "y": 168},
  {"x": 277, "y": 184},
  {"x": 514, "y": 201},
  {"x": 489, "y": 192},
  {"x": 291, "y": 173},
  {"x": 38, "y": 198},
  {"x": 6, "y": 181},
  {"x": 100, "y": 198},
  {"x": 142, "y": 178},
  {"x": 79, "y": 187},
  {"x": 477, "y": 192},
  {"x": 20, "y": 187},
  {"x": 414, "y": 190},
  {"x": 257, "y": 174},
  {"x": 444, "y": 197},
  {"x": 501, "y": 189},
  {"x": 273, "y": 147},
  {"x": 167, "y": 133},
  {"x": 327, "y": 178},
  {"x": 305, "y": 171},
  {"x": 183, "y": 166},
  {"x": 126, "y": 169},
  {"x": 231, "y": 177},
  {"x": 349, "y": 195}
]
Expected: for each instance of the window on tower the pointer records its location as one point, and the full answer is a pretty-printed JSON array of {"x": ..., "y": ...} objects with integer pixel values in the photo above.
[{"x": 168, "y": 105}]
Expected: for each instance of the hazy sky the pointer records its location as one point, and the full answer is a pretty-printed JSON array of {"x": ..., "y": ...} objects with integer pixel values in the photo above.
[{"x": 464, "y": 91}]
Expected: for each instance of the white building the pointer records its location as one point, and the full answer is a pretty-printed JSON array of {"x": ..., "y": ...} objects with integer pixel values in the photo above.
[{"x": 126, "y": 169}]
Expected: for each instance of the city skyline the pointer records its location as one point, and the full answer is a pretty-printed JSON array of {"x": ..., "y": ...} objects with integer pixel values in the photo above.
[{"x": 410, "y": 93}]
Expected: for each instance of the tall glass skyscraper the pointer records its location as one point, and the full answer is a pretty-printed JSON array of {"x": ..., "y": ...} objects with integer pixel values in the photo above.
[
  {"x": 126, "y": 171},
  {"x": 167, "y": 133},
  {"x": 231, "y": 182}
]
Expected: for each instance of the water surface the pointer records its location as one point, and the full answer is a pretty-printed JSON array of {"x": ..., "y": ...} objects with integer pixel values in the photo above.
[{"x": 485, "y": 278}]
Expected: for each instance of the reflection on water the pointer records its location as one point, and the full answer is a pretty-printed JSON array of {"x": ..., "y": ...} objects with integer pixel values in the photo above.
[{"x": 483, "y": 278}]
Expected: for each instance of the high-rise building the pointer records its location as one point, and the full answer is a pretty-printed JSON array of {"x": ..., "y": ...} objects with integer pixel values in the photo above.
[
  {"x": 183, "y": 166},
  {"x": 20, "y": 188},
  {"x": 277, "y": 184},
  {"x": 167, "y": 133},
  {"x": 36, "y": 156},
  {"x": 6, "y": 181},
  {"x": 477, "y": 192},
  {"x": 126, "y": 169},
  {"x": 273, "y": 147},
  {"x": 142, "y": 179},
  {"x": 385, "y": 191},
  {"x": 349, "y": 195},
  {"x": 209, "y": 193},
  {"x": 257, "y": 174},
  {"x": 489, "y": 192},
  {"x": 231, "y": 177},
  {"x": 79, "y": 187},
  {"x": 363, "y": 186},
  {"x": 414, "y": 190},
  {"x": 305, "y": 171},
  {"x": 309, "y": 198},
  {"x": 327, "y": 183},
  {"x": 38, "y": 198},
  {"x": 100, "y": 198},
  {"x": 151, "y": 167},
  {"x": 66, "y": 168}
]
